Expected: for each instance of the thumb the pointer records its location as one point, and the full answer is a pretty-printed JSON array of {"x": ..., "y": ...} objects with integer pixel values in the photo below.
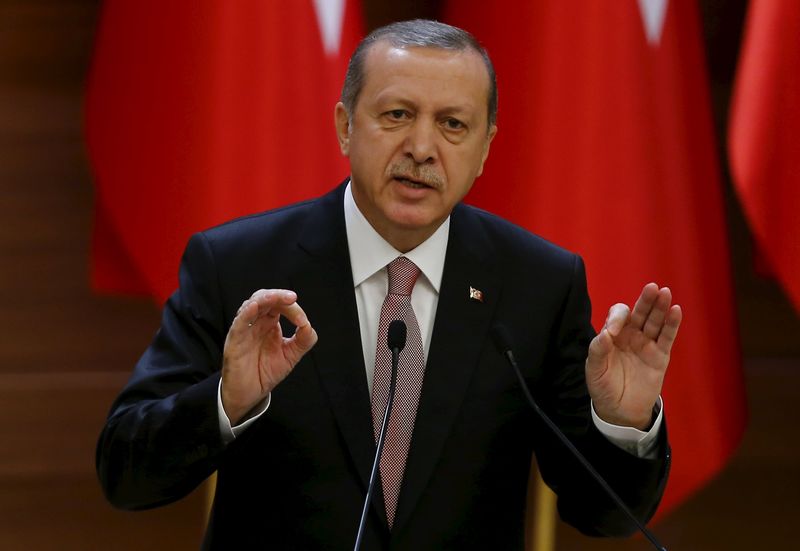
[
  {"x": 599, "y": 349},
  {"x": 618, "y": 317},
  {"x": 303, "y": 340}
]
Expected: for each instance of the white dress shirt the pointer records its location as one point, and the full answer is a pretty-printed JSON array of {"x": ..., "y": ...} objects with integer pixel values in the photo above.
[{"x": 369, "y": 255}]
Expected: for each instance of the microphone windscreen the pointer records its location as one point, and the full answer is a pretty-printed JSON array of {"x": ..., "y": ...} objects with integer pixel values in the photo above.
[
  {"x": 501, "y": 338},
  {"x": 396, "y": 337}
]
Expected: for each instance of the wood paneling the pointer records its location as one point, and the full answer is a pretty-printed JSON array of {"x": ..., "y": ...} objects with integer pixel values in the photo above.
[
  {"x": 64, "y": 351},
  {"x": 51, "y": 498},
  {"x": 68, "y": 513}
]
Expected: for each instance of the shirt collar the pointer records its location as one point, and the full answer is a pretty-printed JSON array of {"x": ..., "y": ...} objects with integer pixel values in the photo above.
[{"x": 369, "y": 252}]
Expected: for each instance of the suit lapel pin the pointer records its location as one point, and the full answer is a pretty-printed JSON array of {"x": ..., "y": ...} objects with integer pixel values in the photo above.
[{"x": 475, "y": 294}]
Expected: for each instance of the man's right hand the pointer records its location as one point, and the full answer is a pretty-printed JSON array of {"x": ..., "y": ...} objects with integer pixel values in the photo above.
[{"x": 257, "y": 356}]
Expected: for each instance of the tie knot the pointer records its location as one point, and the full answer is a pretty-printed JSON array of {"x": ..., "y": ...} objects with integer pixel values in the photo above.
[{"x": 402, "y": 276}]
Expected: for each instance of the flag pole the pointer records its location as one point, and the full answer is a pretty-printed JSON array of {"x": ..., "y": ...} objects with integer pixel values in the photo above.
[
  {"x": 210, "y": 492},
  {"x": 540, "y": 517}
]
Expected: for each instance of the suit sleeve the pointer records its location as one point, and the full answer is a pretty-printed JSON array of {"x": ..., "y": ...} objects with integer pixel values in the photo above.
[
  {"x": 581, "y": 501},
  {"x": 162, "y": 437}
]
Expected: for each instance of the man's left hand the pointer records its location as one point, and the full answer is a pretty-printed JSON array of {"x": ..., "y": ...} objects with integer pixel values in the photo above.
[{"x": 628, "y": 359}]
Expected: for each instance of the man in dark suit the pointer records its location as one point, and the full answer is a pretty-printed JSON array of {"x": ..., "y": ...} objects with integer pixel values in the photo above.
[{"x": 282, "y": 408}]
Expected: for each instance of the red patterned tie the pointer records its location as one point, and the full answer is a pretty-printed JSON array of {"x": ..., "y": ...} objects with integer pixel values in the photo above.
[{"x": 411, "y": 367}]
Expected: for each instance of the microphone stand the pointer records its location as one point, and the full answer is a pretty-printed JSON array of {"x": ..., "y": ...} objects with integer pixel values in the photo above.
[
  {"x": 503, "y": 345},
  {"x": 395, "y": 347}
]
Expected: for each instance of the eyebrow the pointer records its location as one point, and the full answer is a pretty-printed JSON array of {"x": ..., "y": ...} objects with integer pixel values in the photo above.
[
  {"x": 452, "y": 110},
  {"x": 455, "y": 110}
]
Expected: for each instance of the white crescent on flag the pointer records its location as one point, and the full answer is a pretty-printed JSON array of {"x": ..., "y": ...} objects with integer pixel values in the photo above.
[
  {"x": 330, "y": 17},
  {"x": 653, "y": 13}
]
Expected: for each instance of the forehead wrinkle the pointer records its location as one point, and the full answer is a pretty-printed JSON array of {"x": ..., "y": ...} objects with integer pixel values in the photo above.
[
  {"x": 405, "y": 94},
  {"x": 401, "y": 75}
]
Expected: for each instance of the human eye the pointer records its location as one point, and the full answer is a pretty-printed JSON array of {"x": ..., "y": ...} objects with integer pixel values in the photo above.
[
  {"x": 454, "y": 124},
  {"x": 397, "y": 114}
]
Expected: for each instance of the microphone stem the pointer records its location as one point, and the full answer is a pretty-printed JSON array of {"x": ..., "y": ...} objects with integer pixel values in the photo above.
[
  {"x": 381, "y": 437},
  {"x": 588, "y": 466}
]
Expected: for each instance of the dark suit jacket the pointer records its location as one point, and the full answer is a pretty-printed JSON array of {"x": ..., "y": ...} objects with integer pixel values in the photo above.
[{"x": 296, "y": 479}]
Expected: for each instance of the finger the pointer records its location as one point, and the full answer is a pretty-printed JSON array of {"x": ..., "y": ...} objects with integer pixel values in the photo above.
[
  {"x": 247, "y": 312},
  {"x": 601, "y": 345},
  {"x": 292, "y": 312},
  {"x": 599, "y": 349},
  {"x": 655, "y": 319},
  {"x": 239, "y": 333},
  {"x": 643, "y": 305},
  {"x": 266, "y": 298},
  {"x": 670, "y": 330},
  {"x": 302, "y": 341},
  {"x": 618, "y": 316},
  {"x": 282, "y": 295},
  {"x": 260, "y": 305},
  {"x": 271, "y": 303}
]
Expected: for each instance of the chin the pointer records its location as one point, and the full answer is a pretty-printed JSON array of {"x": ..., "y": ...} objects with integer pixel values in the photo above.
[{"x": 412, "y": 221}]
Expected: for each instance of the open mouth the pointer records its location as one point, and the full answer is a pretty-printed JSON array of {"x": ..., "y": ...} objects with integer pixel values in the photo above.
[{"x": 414, "y": 184}]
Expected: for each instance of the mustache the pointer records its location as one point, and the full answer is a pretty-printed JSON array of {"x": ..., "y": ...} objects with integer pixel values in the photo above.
[{"x": 423, "y": 174}]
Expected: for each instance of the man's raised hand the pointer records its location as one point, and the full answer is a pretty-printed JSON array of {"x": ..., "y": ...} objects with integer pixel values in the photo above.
[
  {"x": 628, "y": 359},
  {"x": 257, "y": 356}
]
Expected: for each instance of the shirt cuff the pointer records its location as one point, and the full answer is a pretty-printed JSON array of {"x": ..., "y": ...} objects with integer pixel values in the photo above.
[
  {"x": 637, "y": 442},
  {"x": 228, "y": 432}
]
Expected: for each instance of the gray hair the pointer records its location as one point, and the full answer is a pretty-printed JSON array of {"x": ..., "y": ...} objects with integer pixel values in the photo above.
[{"x": 422, "y": 33}]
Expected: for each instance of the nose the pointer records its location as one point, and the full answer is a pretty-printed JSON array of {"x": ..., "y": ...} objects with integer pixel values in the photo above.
[{"x": 420, "y": 143}]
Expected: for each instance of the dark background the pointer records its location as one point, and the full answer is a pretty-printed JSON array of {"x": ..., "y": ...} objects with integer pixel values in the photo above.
[{"x": 65, "y": 352}]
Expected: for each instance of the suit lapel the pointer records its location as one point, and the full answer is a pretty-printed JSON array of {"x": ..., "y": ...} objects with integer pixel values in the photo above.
[
  {"x": 325, "y": 290},
  {"x": 325, "y": 287},
  {"x": 460, "y": 329}
]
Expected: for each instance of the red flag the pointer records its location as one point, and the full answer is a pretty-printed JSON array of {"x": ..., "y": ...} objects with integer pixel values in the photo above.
[
  {"x": 764, "y": 144},
  {"x": 605, "y": 146},
  {"x": 201, "y": 111}
]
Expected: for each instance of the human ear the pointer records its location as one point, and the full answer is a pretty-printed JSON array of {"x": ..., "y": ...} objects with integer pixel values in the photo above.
[
  {"x": 489, "y": 137},
  {"x": 342, "y": 122}
]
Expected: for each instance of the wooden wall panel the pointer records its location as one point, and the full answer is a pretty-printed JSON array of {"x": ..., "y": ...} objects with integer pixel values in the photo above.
[
  {"x": 50, "y": 497},
  {"x": 64, "y": 351}
]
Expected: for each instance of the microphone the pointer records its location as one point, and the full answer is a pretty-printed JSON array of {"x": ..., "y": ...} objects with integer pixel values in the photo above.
[
  {"x": 503, "y": 344},
  {"x": 396, "y": 341}
]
